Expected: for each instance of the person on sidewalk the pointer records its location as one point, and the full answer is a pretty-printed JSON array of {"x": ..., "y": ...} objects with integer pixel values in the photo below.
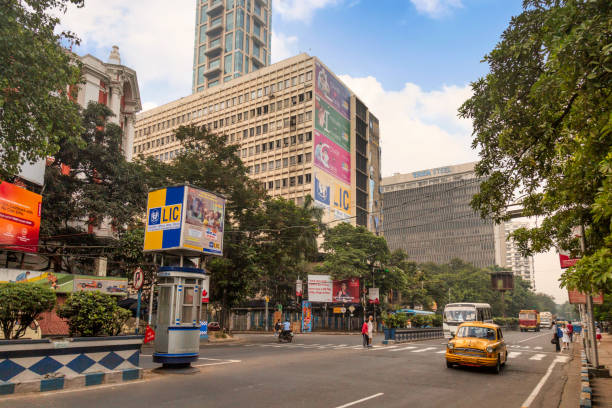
[
  {"x": 370, "y": 330},
  {"x": 555, "y": 339},
  {"x": 364, "y": 334},
  {"x": 598, "y": 335},
  {"x": 565, "y": 339},
  {"x": 570, "y": 332}
]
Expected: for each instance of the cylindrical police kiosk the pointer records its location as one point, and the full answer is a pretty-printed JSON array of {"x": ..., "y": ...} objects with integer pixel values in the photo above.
[
  {"x": 182, "y": 221},
  {"x": 177, "y": 339}
]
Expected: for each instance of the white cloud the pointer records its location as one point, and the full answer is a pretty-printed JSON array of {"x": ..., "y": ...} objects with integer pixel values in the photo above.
[
  {"x": 154, "y": 39},
  {"x": 149, "y": 105},
  {"x": 283, "y": 46},
  {"x": 419, "y": 129},
  {"x": 436, "y": 8},
  {"x": 300, "y": 10}
]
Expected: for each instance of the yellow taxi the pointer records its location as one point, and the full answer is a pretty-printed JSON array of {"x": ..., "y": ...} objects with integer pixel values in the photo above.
[{"x": 477, "y": 344}]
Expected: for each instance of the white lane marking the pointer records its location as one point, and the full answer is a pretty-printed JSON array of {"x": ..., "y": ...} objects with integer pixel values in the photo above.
[
  {"x": 54, "y": 393},
  {"x": 422, "y": 350},
  {"x": 219, "y": 363},
  {"x": 538, "y": 387},
  {"x": 514, "y": 354},
  {"x": 361, "y": 400},
  {"x": 537, "y": 348},
  {"x": 534, "y": 337},
  {"x": 537, "y": 357},
  {"x": 563, "y": 359},
  {"x": 405, "y": 348},
  {"x": 383, "y": 347},
  {"x": 441, "y": 352},
  {"x": 357, "y": 347},
  {"x": 341, "y": 345}
]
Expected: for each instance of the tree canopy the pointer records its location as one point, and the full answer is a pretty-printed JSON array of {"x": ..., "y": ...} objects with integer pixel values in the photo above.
[
  {"x": 35, "y": 75},
  {"x": 542, "y": 124}
]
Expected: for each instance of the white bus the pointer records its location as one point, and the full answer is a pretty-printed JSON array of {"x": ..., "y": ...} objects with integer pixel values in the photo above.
[{"x": 457, "y": 313}]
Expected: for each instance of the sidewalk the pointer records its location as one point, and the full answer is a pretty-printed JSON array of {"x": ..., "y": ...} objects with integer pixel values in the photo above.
[{"x": 602, "y": 387}]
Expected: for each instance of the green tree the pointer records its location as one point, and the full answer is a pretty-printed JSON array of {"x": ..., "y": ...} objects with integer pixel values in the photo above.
[
  {"x": 92, "y": 314},
  {"x": 21, "y": 304},
  {"x": 35, "y": 112},
  {"x": 542, "y": 122},
  {"x": 353, "y": 252}
]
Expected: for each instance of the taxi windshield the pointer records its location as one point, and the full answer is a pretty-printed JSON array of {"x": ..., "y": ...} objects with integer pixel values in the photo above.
[
  {"x": 460, "y": 315},
  {"x": 477, "y": 332}
]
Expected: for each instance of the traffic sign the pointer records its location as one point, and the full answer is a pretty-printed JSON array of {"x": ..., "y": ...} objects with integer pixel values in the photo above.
[
  {"x": 138, "y": 279},
  {"x": 343, "y": 310},
  {"x": 351, "y": 308}
]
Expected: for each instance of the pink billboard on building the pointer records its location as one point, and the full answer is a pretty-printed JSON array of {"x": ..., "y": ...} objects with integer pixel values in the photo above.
[{"x": 331, "y": 158}]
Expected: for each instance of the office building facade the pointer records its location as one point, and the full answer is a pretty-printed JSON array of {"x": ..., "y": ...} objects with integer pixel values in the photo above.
[
  {"x": 508, "y": 254},
  {"x": 427, "y": 213},
  {"x": 300, "y": 131},
  {"x": 232, "y": 38}
]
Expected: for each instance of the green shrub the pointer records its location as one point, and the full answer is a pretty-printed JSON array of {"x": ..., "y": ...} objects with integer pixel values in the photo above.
[
  {"x": 500, "y": 321},
  {"x": 93, "y": 314},
  {"x": 20, "y": 305},
  {"x": 394, "y": 321},
  {"x": 436, "y": 320}
]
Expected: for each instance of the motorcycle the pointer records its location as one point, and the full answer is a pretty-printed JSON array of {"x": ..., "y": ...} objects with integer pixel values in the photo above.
[{"x": 286, "y": 336}]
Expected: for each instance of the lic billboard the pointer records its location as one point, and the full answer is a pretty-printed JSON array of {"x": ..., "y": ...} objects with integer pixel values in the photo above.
[{"x": 185, "y": 220}]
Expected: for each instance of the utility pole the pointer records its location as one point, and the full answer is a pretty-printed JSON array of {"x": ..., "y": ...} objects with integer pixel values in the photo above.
[{"x": 589, "y": 311}]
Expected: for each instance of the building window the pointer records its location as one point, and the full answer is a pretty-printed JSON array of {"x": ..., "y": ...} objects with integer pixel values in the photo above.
[
  {"x": 229, "y": 21},
  {"x": 308, "y": 157},
  {"x": 300, "y": 180},
  {"x": 229, "y": 42},
  {"x": 276, "y": 184},
  {"x": 309, "y": 76},
  {"x": 300, "y": 159},
  {"x": 285, "y": 162},
  {"x": 240, "y": 18},
  {"x": 308, "y": 178},
  {"x": 227, "y": 64},
  {"x": 308, "y": 136},
  {"x": 284, "y": 183},
  {"x": 278, "y": 164}
]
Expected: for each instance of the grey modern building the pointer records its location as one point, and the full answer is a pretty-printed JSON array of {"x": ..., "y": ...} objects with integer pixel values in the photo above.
[
  {"x": 427, "y": 213},
  {"x": 232, "y": 38}
]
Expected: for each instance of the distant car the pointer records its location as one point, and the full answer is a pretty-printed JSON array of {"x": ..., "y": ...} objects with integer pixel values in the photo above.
[
  {"x": 91, "y": 285},
  {"x": 478, "y": 345},
  {"x": 214, "y": 326}
]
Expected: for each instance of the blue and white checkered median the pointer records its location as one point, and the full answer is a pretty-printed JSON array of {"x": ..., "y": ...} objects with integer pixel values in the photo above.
[{"x": 44, "y": 365}]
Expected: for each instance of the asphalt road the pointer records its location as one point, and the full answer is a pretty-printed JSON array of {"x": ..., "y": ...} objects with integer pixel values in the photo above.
[{"x": 332, "y": 371}]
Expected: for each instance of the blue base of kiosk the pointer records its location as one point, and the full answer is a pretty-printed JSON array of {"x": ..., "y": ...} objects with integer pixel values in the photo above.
[{"x": 175, "y": 359}]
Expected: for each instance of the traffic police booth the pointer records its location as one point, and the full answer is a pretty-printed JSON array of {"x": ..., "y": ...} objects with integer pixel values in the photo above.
[{"x": 185, "y": 222}]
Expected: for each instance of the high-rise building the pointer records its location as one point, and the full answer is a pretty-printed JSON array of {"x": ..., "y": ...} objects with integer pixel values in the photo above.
[
  {"x": 232, "y": 38},
  {"x": 508, "y": 254},
  {"x": 427, "y": 213},
  {"x": 301, "y": 132}
]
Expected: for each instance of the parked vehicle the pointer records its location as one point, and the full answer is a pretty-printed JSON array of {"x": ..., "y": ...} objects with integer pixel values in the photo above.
[
  {"x": 214, "y": 326},
  {"x": 546, "y": 319},
  {"x": 529, "y": 320},
  {"x": 457, "y": 313},
  {"x": 478, "y": 345}
]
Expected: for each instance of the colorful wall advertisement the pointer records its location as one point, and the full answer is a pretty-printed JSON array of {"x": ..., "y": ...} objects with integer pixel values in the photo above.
[
  {"x": 185, "y": 219},
  {"x": 19, "y": 218},
  {"x": 320, "y": 288},
  {"x": 333, "y": 125},
  {"x": 65, "y": 282},
  {"x": 346, "y": 291},
  {"x": 306, "y": 317},
  {"x": 332, "y": 91},
  {"x": 333, "y": 194},
  {"x": 331, "y": 158},
  {"x": 204, "y": 222}
]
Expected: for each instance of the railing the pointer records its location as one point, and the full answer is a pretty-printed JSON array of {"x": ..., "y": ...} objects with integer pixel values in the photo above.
[{"x": 403, "y": 335}]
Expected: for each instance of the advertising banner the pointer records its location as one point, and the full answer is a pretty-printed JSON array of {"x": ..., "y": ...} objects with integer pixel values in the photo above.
[
  {"x": 333, "y": 125},
  {"x": 374, "y": 295},
  {"x": 565, "y": 260},
  {"x": 206, "y": 289},
  {"x": 306, "y": 317},
  {"x": 332, "y": 91},
  {"x": 331, "y": 158},
  {"x": 19, "y": 218},
  {"x": 204, "y": 222},
  {"x": 298, "y": 287},
  {"x": 576, "y": 297},
  {"x": 333, "y": 194},
  {"x": 320, "y": 288},
  {"x": 346, "y": 291},
  {"x": 100, "y": 285},
  {"x": 185, "y": 219},
  {"x": 65, "y": 282}
]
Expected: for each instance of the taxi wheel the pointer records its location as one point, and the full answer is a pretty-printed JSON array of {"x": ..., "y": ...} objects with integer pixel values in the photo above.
[
  {"x": 449, "y": 365},
  {"x": 497, "y": 368}
]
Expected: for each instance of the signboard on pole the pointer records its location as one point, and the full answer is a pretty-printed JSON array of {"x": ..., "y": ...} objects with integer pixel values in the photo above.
[
  {"x": 138, "y": 279},
  {"x": 206, "y": 289},
  {"x": 320, "y": 288},
  {"x": 298, "y": 288},
  {"x": 306, "y": 316},
  {"x": 579, "y": 298},
  {"x": 374, "y": 295},
  {"x": 185, "y": 220},
  {"x": 20, "y": 211}
]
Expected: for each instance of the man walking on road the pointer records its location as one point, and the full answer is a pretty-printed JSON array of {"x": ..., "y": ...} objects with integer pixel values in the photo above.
[
  {"x": 370, "y": 330},
  {"x": 570, "y": 332},
  {"x": 364, "y": 334}
]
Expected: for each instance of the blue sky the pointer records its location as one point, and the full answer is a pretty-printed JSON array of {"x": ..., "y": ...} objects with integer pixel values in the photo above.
[{"x": 410, "y": 61}]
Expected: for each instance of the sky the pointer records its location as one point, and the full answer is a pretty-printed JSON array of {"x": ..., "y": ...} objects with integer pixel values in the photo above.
[{"x": 410, "y": 61}]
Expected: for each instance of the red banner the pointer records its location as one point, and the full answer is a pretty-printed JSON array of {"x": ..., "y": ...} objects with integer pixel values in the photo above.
[
  {"x": 19, "y": 218},
  {"x": 576, "y": 297},
  {"x": 149, "y": 335}
]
